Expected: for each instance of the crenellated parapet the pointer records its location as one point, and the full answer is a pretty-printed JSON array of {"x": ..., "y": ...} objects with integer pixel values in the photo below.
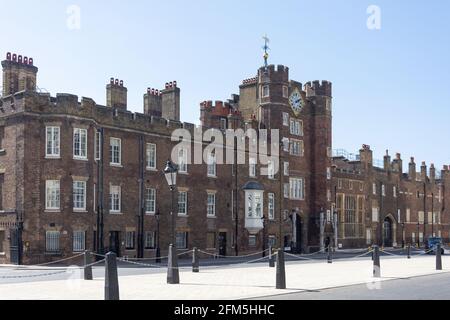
[{"x": 317, "y": 88}]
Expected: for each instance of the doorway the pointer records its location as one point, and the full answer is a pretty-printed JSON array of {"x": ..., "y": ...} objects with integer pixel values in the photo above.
[
  {"x": 387, "y": 233},
  {"x": 223, "y": 244},
  {"x": 114, "y": 242}
]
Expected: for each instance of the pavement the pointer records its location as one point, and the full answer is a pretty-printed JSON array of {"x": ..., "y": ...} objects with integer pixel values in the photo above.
[{"x": 219, "y": 282}]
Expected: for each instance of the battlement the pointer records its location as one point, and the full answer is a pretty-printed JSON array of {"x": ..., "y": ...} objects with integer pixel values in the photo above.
[
  {"x": 317, "y": 88},
  {"x": 218, "y": 108},
  {"x": 272, "y": 73}
]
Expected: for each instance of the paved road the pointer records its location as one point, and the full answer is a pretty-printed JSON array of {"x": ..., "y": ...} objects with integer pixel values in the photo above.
[{"x": 435, "y": 287}]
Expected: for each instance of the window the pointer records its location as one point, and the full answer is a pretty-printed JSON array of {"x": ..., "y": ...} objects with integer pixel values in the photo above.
[
  {"x": 114, "y": 199},
  {"x": 212, "y": 165},
  {"x": 150, "y": 201},
  {"x": 79, "y": 241},
  {"x": 394, "y": 192},
  {"x": 115, "y": 152},
  {"x": 408, "y": 215},
  {"x": 151, "y": 156},
  {"x": 421, "y": 237},
  {"x": 2, "y": 179},
  {"x": 79, "y": 195},
  {"x": 374, "y": 189},
  {"x": 339, "y": 183},
  {"x": 421, "y": 217},
  {"x": 297, "y": 189},
  {"x": 252, "y": 168},
  {"x": 328, "y": 173},
  {"x": 265, "y": 91},
  {"x": 285, "y": 92},
  {"x": 182, "y": 239},
  {"x": 328, "y": 195},
  {"x": 350, "y": 185},
  {"x": 286, "y": 169},
  {"x": 296, "y": 148},
  {"x": 254, "y": 204},
  {"x": 252, "y": 241},
  {"x": 129, "y": 240},
  {"x": 52, "y": 142},
  {"x": 369, "y": 236},
  {"x": 80, "y": 143},
  {"x": 210, "y": 240},
  {"x": 211, "y": 207},
  {"x": 272, "y": 241},
  {"x": 98, "y": 146},
  {"x": 271, "y": 170},
  {"x": 430, "y": 218},
  {"x": 286, "y": 145},
  {"x": 182, "y": 161},
  {"x": 286, "y": 190},
  {"x": 150, "y": 240},
  {"x": 182, "y": 203},
  {"x": 375, "y": 214},
  {"x": 271, "y": 206},
  {"x": 361, "y": 186},
  {"x": 383, "y": 190},
  {"x": 223, "y": 124},
  {"x": 52, "y": 241},
  {"x": 285, "y": 119},
  {"x": 413, "y": 237},
  {"x": 52, "y": 195},
  {"x": 296, "y": 127}
]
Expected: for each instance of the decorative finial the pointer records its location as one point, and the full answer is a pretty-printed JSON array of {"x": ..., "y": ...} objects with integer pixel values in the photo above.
[{"x": 266, "y": 49}]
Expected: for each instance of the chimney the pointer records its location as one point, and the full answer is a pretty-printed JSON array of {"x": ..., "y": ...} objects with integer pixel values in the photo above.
[
  {"x": 397, "y": 164},
  {"x": 432, "y": 173},
  {"x": 171, "y": 102},
  {"x": 153, "y": 102},
  {"x": 423, "y": 172},
  {"x": 412, "y": 170},
  {"x": 19, "y": 74},
  {"x": 366, "y": 156},
  {"x": 387, "y": 161},
  {"x": 116, "y": 94}
]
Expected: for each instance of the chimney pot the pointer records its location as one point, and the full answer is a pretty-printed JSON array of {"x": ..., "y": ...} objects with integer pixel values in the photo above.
[
  {"x": 20, "y": 59},
  {"x": 25, "y": 60},
  {"x": 8, "y": 56},
  {"x": 14, "y": 57},
  {"x": 30, "y": 61}
]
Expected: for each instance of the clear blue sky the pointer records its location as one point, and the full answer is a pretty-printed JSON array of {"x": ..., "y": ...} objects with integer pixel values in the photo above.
[{"x": 391, "y": 86}]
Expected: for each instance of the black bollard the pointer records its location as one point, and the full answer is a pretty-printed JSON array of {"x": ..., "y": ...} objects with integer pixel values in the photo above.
[
  {"x": 330, "y": 254},
  {"x": 281, "y": 270},
  {"x": 408, "y": 251},
  {"x": 195, "y": 261},
  {"x": 271, "y": 258},
  {"x": 438, "y": 257},
  {"x": 111, "y": 277},
  {"x": 173, "y": 275},
  {"x": 376, "y": 262},
  {"x": 87, "y": 266}
]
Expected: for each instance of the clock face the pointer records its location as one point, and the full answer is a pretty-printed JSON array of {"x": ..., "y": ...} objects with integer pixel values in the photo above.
[{"x": 296, "y": 101}]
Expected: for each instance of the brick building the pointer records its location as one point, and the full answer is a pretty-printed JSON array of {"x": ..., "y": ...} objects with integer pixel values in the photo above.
[{"x": 77, "y": 175}]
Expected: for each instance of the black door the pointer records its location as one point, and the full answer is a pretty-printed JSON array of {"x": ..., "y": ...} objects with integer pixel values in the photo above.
[
  {"x": 223, "y": 244},
  {"x": 387, "y": 236},
  {"x": 298, "y": 243},
  {"x": 14, "y": 245},
  {"x": 114, "y": 242}
]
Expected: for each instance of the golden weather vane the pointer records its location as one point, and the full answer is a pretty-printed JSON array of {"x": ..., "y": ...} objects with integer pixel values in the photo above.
[{"x": 266, "y": 49}]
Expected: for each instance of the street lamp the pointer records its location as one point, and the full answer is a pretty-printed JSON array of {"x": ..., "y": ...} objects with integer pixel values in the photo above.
[
  {"x": 173, "y": 275},
  {"x": 418, "y": 232},
  {"x": 158, "y": 248},
  {"x": 264, "y": 220},
  {"x": 403, "y": 234}
]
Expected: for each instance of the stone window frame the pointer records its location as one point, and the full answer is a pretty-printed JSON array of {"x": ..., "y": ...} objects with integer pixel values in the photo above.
[
  {"x": 47, "y": 201},
  {"x": 111, "y": 188},
  {"x": 148, "y": 192},
  {"x": 212, "y": 166},
  {"x": 85, "y": 149},
  {"x": 149, "y": 158},
  {"x": 185, "y": 202},
  {"x": 265, "y": 91},
  {"x": 130, "y": 242},
  {"x": 81, "y": 248},
  {"x": 271, "y": 206},
  {"x": 53, "y": 147},
  {"x": 211, "y": 207},
  {"x": 84, "y": 182},
  {"x": 52, "y": 241},
  {"x": 294, "y": 183},
  {"x": 252, "y": 168},
  {"x": 150, "y": 245},
  {"x": 112, "y": 152}
]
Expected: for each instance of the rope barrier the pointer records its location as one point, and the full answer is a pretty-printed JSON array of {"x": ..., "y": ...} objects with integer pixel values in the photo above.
[
  {"x": 390, "y": 254},
  {"x": 361, "y": 255},
  {"x": 298, "y": 257},
  {"x": 240, "y": 263},
  {"x": 233, "y": 257},
  {"x": 33, "y": 276},
  {"x": 423, "y": 253},
  {"x": 185, "y": 253}
]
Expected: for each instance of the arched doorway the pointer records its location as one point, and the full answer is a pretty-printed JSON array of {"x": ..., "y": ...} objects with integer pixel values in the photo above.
[
  {"x": 297, "y": 233},
  {"x": 388, "y": 232}
]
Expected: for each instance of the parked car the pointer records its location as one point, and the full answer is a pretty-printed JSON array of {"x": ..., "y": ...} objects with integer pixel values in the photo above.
[{"x": 432, "y": 245}]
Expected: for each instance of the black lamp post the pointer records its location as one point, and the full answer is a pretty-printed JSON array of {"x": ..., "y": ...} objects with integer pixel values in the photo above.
[
  {"x": 173, "y": 276},
  {"x": 418, "y": 231},
  {"x": 264, "y": 220},
  {"x": 403, "y": 235},
  {"x": 158, "y": 248}
]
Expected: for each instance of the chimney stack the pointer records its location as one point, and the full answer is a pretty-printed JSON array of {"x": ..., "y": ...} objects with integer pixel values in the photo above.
[
  {"x": 412, "y": 170},
  {"x": 171, "y": 102},
  {"x": 19, "y": 74},
  {"x": 366, "y": 156},
  {"x": 116, "y": 94},
  {"x": 153, "y": 102},
  {"x": 387, "y": 161},
  {"x": 432, "y": 173},
  {"x": 423, "y": 172},
  {"x": 398, "y": 163}
]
